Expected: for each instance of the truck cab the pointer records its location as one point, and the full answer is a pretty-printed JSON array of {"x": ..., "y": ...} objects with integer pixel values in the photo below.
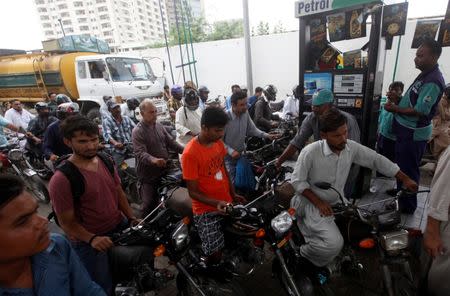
[{"x": 112, "y": 75}]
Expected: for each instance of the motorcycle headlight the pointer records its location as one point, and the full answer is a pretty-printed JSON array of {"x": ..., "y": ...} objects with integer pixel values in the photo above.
[
  {"x": 282, "y": 222},
  {"x": 395, "y": 241},
  {"x": 180, "y": 236},
  {"x": 15, "y": 154}
]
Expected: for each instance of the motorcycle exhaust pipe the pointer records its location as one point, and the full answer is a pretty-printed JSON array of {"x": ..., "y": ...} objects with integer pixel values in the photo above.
[
  {"x": 189, "y": 278},
  {"x": 290, "y": 278}
]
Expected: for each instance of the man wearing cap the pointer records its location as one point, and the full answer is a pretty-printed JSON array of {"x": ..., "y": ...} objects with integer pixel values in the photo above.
[
  {"x": 175, "y": 102},
  {"x": 322, "y": 101},
  {"x": 203, "y": 93},
  {"x": 33, "y": 261},
  {"x": 117, "y": 131}
]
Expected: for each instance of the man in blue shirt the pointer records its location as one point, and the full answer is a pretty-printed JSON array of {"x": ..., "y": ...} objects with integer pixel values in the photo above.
[
  {"x": 117, "y": 131},
  {"x": 54, "y": 146},
  {"x": 33, "y": 261},
  {"x": 234, "y": 89},
  {"x": 412, "y": 116},
  {"x": 252, "y": 100}
]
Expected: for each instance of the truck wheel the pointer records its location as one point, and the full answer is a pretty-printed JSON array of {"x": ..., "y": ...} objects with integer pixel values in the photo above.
[{"x": 94, "y": 115}]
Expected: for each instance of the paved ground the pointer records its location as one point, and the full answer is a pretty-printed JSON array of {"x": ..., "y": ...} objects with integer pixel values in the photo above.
[{"x": 262, "y": 283}]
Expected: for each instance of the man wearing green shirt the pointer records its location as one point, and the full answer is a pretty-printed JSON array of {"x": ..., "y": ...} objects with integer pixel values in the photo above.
[{"x": 412, "y": 116}]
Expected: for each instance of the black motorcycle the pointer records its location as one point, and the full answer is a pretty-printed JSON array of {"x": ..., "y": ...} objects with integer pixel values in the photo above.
[
  {"x": 127, "y": 172},
  {"x": 14, "y": 160},
  {"x": 166, "y": 232},
  {"x": 370, "y": 226}
]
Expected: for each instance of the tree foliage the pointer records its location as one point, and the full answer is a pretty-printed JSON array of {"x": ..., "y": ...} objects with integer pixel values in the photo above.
[
  {"x": 202, "y": 31},
  {"x": 263, "y": 28}
]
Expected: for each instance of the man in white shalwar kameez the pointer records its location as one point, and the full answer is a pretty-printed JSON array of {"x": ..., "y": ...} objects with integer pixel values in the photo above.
[{"x": 329, "y": 160}]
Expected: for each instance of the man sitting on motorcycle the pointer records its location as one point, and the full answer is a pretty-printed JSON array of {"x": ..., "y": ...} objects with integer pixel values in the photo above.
[
  {"x": 263, "y": 114},
  {"x": 33, "y": 261},
  {"x": 239, "y": 127},
  {"x": 329, "y": 160},
  {"x": 54, "y": 146},
  {"x": 6, "y": 124},
  {"x": 117, "y": 131},
  {"x": 37, "y": 128},
  {"x": 208, "y": 182},
  {"x": 131, "y": 109},
  {"x": 101, "y": 210}
]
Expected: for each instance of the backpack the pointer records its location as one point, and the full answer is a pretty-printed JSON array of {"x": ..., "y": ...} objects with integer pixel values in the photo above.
[
  {"x": 245, "y": 179},
  {"x": 76, "y": 179}
]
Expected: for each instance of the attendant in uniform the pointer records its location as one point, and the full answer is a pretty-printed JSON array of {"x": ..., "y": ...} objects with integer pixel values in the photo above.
[{"x": 412, "y": 116}]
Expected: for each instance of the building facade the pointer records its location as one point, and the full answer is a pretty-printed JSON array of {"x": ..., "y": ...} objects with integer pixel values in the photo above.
[
  {"x": 124, "y": 24},
  {"x": 196, "y": 8}
]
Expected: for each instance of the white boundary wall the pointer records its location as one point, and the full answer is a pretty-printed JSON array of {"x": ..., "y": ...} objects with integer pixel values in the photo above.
[{"x": 275, "y": 60}]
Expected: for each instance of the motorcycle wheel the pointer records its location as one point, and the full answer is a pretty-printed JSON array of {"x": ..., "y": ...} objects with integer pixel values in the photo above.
[
  {"x": 210, "y": 286},
  {"x": 37, "y": 187}
]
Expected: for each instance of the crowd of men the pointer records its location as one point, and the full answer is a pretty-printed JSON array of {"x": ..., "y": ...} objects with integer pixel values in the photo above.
[{"x": 211, "y": 140}]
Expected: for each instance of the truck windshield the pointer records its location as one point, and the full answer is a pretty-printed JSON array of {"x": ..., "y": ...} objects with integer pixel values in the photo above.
[{"x": 128, "y": 69}]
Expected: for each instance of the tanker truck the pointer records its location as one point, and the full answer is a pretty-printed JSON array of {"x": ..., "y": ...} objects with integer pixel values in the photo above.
[{"x": 83, "y": 76}]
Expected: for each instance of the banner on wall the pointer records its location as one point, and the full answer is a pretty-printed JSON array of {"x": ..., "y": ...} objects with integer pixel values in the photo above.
[
  {"x": 336, "y": 26},
  {"x": 355, "y": 26},
  {"x": 444, "y": 31},
  {"x": 394, "y": 19},
  {"x": 425, "y": 29}
]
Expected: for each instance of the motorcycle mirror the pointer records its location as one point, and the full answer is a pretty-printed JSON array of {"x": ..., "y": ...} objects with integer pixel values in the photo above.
[{"x": 323, "y": 185}]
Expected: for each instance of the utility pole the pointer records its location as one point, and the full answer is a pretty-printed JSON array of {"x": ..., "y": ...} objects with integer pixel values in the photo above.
[
  {"x": 62, "y": 27},
  {"x": 248, "y": 50}
]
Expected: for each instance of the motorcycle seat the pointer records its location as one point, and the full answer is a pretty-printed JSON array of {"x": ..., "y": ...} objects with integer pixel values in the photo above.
[{"x": 180, "y": 201}]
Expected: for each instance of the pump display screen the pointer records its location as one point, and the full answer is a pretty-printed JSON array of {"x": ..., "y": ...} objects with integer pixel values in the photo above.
[
  {"x": 348, "y": 83},
  {"x": 316, "y": 81}
]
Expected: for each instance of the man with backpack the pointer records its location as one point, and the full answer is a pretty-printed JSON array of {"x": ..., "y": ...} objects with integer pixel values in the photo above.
[{"x": 88, "y": 198}]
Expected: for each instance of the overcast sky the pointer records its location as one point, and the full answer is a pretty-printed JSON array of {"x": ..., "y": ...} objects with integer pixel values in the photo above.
[{"x": 20, "y": 28}]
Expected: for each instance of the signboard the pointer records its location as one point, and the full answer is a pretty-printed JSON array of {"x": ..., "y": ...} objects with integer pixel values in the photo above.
[{"x": 308, "y": 7}]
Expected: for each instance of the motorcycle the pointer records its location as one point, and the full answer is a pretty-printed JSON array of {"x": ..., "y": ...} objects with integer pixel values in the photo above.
[
  {"x": 127, "y": 172},
  {"x": 13, "y": 160},
  {"x": 165, "y": 230},
  {"x": 247, "y": 229},
  {"x": 365, "y": 228},
  {"x": 263, "y": 150}
]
